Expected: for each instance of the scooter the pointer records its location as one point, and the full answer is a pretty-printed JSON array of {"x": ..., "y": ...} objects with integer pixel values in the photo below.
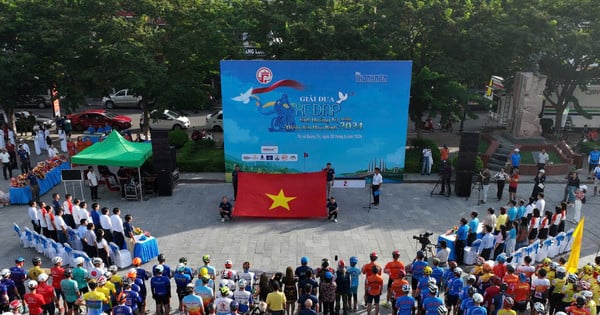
[
  {"x": 445, "y": 125},
  {"x": 427, "y": 125}
]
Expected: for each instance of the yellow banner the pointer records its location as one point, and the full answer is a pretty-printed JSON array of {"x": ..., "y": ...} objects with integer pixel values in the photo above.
[{"x": 573, "y": 262}]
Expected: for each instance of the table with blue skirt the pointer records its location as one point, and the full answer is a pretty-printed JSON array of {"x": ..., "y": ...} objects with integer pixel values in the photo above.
[
  {"x": 451, "y": 239},
  {"x": 146, "y": 248},
  {"x": 22, "y": 195}
]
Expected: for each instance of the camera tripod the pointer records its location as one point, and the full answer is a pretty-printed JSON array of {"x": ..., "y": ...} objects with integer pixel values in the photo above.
[
  {"x": 479, "y": 186},
  {"x": 437, "y": 183}
]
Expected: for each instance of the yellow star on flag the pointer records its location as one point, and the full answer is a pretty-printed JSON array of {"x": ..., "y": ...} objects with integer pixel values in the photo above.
[{"x": 280, "y": 200}]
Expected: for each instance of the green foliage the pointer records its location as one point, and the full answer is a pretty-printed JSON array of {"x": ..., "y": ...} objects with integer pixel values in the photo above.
[
  {"x": 478, "y": 163},
  {"x": 587, "y": 147},
  {"x": 200, "y": 156},
  {"x": 178, "y": 138},
  {"x": 412, "y": 161}
]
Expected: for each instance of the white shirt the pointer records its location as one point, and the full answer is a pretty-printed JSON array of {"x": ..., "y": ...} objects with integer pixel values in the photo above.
[
  {"x": 487, "y": 241},
  {"x": 92, "y": 180},
  {"x": 67, "y": 210},
  {"x": 75, "y": 214},
  {"x": 377, "y": 179},
  {"x": 83, "y": 214},
  {"x": 543, "y": 158},
  {"x": 4, "y": 157},
  {"x": 529, "y": 209},
  {"x": 540, "y": 204},
  {"x": 442, "y": 254},
  {"x": 41, "y": 218},
  {"x": 105, "y": 223},
  {"x": 597, "y": 172},
  {"x": 49, "y": 223},
  {"x": 117, "y": 223},
  {"x": 33, "y": 214},
  {"x": 60, "y": 222}
]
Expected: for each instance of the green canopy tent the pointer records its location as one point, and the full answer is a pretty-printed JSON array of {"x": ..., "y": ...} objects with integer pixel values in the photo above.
[{"x": 115, "y": 151}]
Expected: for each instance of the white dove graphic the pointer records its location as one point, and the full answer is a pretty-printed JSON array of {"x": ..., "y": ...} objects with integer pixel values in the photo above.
[
  {"x": 342, "y": 97},
  {"x": 244, "y": 97}
]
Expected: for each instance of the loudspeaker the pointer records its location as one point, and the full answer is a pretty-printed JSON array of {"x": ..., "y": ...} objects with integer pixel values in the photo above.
[
  {"x": 462, "y": 186},
  {"x": 164, "y": 156},
  {"x": 466, "y": 161},
  {"x": 469, "y": 141},
  {"x": 165, "y": 183}
]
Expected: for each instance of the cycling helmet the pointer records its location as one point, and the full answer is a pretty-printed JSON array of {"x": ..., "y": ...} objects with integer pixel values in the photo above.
[
  {"x": 580, "y": 301},
  {"x": 373, "y": 256},
  {"x": 159, "y": 269},
  {"x": 189, "y": 287},
  {"x": 477, "y": 298},
  {"x": 328, "y": 275},
  {"x": 501, "y": 258},
  {"x": 203, "y": 270},
  {"x": 36, "y": 260},
  {"x": 224, "y": 290},
  {"x": 79, "y": 261},
  {"x": 161, "y": 258},
  {"x": 183, "y": 260},
  {"x": 113, "y": 269},
  {"x": 396, "y": 254},
  {"x": 487, "y": 267},
  {"x": 539, "y": 307},
  {"x": 432, "y": 281},
  {"x": 587, "y": 294},
  {"x": 108, "y": 275},
  {"x": 19, "y": 260},
  {"x": 15, "y": 304},
  {"x": 458, "y": 271},
  {"x": 406, "y": 288},
  {"x": 181, "y": 268},
  {"x": 588, "y": 269},
  {"x": 32, "y": 284},
  {"x": 57, "y": 260},
  {"x": 471, "y": 278},
  {"x": 205, "y": 259},
  {"x": 228, "y": 263},
  {"x": 353, "y": 261},
  {"x": 480, "y": 261},
  {"x": 433, "y": 289},
  {"x": 341, "y": 263},
  {"x": 98, "y": 261},
  {"x": 132, "y": 274},
  {"x": 427, "y": 270},
  {"x": 304, "y": 260},
  {"x": 572, "y": 278},
  {"x": 560, "y": 272},
  {"x": 136, "y": 261},
  {"x": 583, "y": 285},
  {"x": 324, "y": 263},
  {"x": 547, "y": 261},
  {"x": 560, "y": 313},
  {"x": 42, "y": 277},
  {"x": 233, "y": 306},
  {"x": 68, "y": 273},
  {"x": 242, "y": 283},
  {"x": 401, "y": 273},
  {"x": 102, "y": 280},
  {"x": 509, "y": 302},
  {"x": 554, "y": 265},
  {"x": 471, "y": 291},
  {"x": 5, "y": 273},
  {"x": 442, "y": 310},
  {"x": 127, "y": 282}
]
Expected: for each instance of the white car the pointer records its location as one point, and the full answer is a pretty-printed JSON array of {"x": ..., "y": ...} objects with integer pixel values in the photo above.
[
  {"x": 167, "y": 120},
  {"x": 214, "y": 121},
  {"x": 123, "y": 98}
]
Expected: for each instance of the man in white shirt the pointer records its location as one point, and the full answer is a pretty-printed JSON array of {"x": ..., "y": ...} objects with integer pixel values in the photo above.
[
  {"x": 542, "y": 159},
  {"x": 33, "y": 215},
  {"x": 83, "y": 212},
  {"x": 487, "y": 243},
  {"x": 117, "y": 226},
  {"x": 93, "y": 183},
  {"x": 540, "y": 204},
  {"x": 376, "y": 185},
  {"x": 50, "y": 222},
  {"x": 68, "y": 212},
  {"x": 61, "y": 227},
  {"x": 75, "y": 210},
  {"x": 42, "y": 218},
  {"x": 5, "y": 159},
  {"x": 106, "y": 224}
]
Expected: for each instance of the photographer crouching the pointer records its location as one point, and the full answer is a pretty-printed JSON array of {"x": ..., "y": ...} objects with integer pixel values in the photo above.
[{"x": 442, "y": 253}]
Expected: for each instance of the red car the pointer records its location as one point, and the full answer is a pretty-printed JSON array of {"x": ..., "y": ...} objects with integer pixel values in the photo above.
[{"x": 98, "y": 118}]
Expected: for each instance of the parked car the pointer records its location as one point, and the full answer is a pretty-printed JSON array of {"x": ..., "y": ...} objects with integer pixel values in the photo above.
[
  {"x": 167, "y": 120},
  {"x": 24, "y": 115},
  {"x": 39, "y": 101},
  {"x": 123, "y": 98},
  {"x": 214, "y": 121},
  {"x": 98, "y": 118}
]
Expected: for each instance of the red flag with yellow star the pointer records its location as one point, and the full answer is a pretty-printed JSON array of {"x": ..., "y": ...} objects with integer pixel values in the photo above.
[{"x": 281, "y": 195}]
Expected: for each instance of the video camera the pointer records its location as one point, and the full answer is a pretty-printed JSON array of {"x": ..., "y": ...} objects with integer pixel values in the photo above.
[{"x": 423, "y": 239}]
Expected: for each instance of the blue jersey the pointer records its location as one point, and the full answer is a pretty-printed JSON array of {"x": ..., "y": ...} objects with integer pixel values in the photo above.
[
  {"x": 95, "y": 218},
  {"x": 161, "y": 286},
  {"x": 166, "y": 271},
  {"x": 515, "y": 159},
  {"x": 431, "y": 305},
  {"x": 417, "y": 268},
  {"x": 462, "y": 233},
  {"x": 520, "y": 212},
  {"x": 122, "y": 310},
  {"x": 18, "y": 274},
  {"x": 594, "y": 157},
  {"x": 10, "y": 287},
  {"x": 132, "y": 299},
  {"x": 181, "y": 281},
  {"x": 405, "y": 305},
  {"x": 473, "y": 225},
  {"x": 476, "y": 310},
  {"x": 466, "y": 304},
  {"x": 354, "y": 273},
  {"x": 423, "y": 283},
  {"x": 244, "y": 299},
  {"x": 498, "y": 300},
  {"x": 512, "y": 213},
  {"x": 464, "y": 294},
  {"x": 142, "y": 274},
  {"x": 437, "y": 274},
  {"x": 455, "y": 286}
]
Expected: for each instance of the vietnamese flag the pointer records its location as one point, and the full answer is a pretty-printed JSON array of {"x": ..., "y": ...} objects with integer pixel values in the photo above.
[{"x": 281, "y": 195}]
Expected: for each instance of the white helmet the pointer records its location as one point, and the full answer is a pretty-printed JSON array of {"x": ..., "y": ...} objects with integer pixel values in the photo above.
[
  {"x": 32, "y": 284},
  {"x": 113, "y": 268},
  {"x": 56, "y": 260},
  {"x": 5, "y": 272},
  {"x": 101, "y": 280},
  {"x": 539, "y": 307},
  {"x": 477, "y": 298},
  {"x": 42, "y": 277},
  {"x": 242, "y": 283},
  {"x": 96, "y": 261},
  {"x": 79, "y": 261}
]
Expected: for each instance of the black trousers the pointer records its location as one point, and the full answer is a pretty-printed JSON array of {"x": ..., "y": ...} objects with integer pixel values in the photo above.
[
  {"x": 375, "y": 189},
  {"x": 500, "y": 185},
  {"x": 94, "y": 192},
  {"x": 460, "y": 250},
  {"x": 119, "y": 239}
]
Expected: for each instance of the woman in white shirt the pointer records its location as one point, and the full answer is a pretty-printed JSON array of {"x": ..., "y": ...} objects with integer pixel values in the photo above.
[{"x": 103, "y": 249}]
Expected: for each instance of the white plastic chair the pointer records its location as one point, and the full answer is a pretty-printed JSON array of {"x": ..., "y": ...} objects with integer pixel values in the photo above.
[
  {"x": 121, "y": 257},
  {"x": 68, "y": 259},
  {"x": 59, "y": 250},
  {"x": 568, "y": 240},
  {"x": 29, "y": 241},
  {"x": 20, "y": 234},
  {"x": 39, "y": 247},
  {"x": 74, "y": 239},
  {"x": 559, "y": 239},
  {"x": 47, "y": 250},
  {"x": 517, "y": 256},
  {"x": 531, "y": 250},
  {"x": 543, "y": 249}
]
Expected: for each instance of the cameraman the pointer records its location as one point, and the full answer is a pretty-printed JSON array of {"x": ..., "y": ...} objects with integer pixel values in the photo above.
[
  {"x": 446, "y": 175},
  {"x": 442, "y": 253}
]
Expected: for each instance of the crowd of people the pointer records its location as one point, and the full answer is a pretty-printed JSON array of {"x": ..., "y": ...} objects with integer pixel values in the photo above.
[{"x": 492, "y": 287}]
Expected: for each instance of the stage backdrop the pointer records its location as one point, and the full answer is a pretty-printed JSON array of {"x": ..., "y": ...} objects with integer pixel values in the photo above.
[{"x": 295, "y": 116}]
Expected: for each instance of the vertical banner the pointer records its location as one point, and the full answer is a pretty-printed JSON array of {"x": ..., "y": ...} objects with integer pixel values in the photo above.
[{"x": 295, "y": 116}]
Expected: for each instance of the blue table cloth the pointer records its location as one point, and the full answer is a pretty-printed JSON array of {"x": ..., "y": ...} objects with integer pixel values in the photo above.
[
  {"x": 22, "y": 195},
  {"x": 146, "y": 249},
  {"x": 450, "y": 243}
]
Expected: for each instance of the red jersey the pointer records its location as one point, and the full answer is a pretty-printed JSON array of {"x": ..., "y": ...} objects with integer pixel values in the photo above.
[
  {"x": 367, "y": 268},
  {"x": 46, "y": 291},
  {"x": 34, "y": 301},
  {"x": 57, "y": 274},
  {"x": 574, "y": 310},
  {"x": 393, "y": 268},
  {"x": 489, "y": 295},
  {"x": 521, "y": 291},
  {"x": 499, "y": 270},
  {"x": 374, "y": 284},
  {"x": 511, "y": 280},
  {"x": 397, "y": 287}
]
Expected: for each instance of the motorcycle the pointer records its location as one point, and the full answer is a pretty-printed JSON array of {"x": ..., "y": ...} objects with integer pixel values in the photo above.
[
  {"x": 427, "y": 125},
  {"x": 445, "y": 125}
]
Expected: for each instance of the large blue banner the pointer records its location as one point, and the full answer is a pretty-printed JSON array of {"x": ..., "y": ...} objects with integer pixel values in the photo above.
[{"x": 295, "y": 116}]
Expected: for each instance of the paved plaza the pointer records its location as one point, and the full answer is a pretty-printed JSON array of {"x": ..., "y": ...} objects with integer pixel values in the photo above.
[{"x": 187, "y": 224}]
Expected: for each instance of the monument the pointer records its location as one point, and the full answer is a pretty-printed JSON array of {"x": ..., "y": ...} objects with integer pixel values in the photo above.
[{"x": 524, "y": 121}]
